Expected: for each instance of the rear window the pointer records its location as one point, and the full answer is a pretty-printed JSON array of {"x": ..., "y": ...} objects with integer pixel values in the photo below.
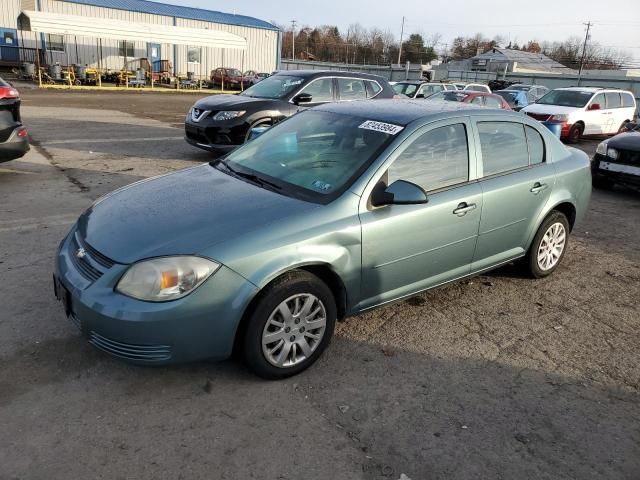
[
  {"x": 627, "y": 100},
  {"x": 613, "y": 100},
  {"x": 373, "y": 88},
  {"x": 536, "y": 146}
]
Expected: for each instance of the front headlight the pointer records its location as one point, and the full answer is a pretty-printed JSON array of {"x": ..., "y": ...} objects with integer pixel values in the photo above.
[
  {"x": 229, "y": 115},
  {"x": 165, "y": 278},
  {"x": 612, "y": 153},
  {"x": 560, "y": 118},
  {"x": 602, "y": 148}
]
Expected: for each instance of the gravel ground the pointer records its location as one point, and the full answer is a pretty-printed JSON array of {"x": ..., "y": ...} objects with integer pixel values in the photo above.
[{"x": 497, "y": 377}]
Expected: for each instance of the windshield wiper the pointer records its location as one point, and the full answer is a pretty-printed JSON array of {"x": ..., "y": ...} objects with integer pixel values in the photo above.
[{"x": 249, "y": 176}]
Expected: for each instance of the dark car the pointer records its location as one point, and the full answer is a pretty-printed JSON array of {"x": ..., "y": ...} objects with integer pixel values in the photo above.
[
  {"x": 13, "y": 136},
  {"x": 482, "y": 99},
  {"x": 220, "y": 123},
  {"x": 617, "y": 161},
  {"x": 517, "y": 99}
]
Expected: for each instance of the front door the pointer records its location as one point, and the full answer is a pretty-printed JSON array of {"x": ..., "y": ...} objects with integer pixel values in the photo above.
[
  {"x": 595, "y": 121},
  {"x": 516, "y": 183},
  {"x": 154, "y": 54},
  {"x": 408, "y": 248}
]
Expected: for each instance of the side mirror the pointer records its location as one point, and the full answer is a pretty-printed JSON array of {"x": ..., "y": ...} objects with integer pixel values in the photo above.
[
  {"x": 594, "y": 106},
  {"x": 399, "y": 192},
  {"x": 302, "y": 98}
]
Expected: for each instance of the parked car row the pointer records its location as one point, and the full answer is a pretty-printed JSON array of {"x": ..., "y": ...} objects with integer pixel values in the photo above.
[{"x": 232, "y": 78}]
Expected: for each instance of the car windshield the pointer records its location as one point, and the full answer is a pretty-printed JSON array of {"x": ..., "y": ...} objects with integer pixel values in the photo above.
[
  {"x": 408, "y": 89},
  {"x": 277, "y": 86},
  {"x": 232, "y": 72},
  {"x": 451, "y": 96},
  {"x": 566, "y": 98},
  {"x": 313, "y": 155}
]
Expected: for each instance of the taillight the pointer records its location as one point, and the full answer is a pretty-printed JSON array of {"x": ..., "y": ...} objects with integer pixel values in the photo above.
[
  {"x": 22, "y": 132},
  {"x": 8, "y": 92}
]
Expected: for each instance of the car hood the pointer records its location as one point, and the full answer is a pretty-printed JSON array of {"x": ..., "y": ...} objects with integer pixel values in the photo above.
[
  {"x": 230, "y": 102},
  {"x": 549, "y": 109},
  {"x": 181, "y": 213},
  {"x": 626, "y": 141}
]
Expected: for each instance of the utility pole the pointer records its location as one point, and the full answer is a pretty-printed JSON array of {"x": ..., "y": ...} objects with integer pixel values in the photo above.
[
  {"x": 401, "y": 35},
  {"x": 584, "y": 50},
  {"x": 293, "y": 39}
]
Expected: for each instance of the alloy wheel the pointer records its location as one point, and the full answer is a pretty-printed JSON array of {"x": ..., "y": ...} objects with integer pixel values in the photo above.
[
  {"x": 294, "y": 330},
  {"x": 551, "y": 247}
]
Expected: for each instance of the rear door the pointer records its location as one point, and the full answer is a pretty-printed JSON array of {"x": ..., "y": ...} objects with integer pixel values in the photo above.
[
  {"x": 616, "y": 112},
  {"x": 350, "y": 89},
  {"x": 516, "y": 182}
]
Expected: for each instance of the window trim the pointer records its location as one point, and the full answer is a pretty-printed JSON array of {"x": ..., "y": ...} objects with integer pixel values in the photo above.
[
  {"x": 199, "y": 50},
  {"x": 544, "y": 146},
  {"x": 124, "y": 43},
  {"x": 335, "y": 88}
]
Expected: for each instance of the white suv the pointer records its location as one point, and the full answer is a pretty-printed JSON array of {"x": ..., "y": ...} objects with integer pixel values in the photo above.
[{"x": 584, "y": 110}]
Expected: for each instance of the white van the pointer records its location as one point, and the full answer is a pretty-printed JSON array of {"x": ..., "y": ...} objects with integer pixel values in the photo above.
[{"x": 584, "y": 110}]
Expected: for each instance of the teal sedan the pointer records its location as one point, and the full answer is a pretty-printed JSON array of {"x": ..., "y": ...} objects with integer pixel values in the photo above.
[{"x": 337, "y": 210}]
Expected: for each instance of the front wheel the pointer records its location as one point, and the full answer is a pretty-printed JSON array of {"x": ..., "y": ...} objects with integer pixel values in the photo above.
[
  {"x": 549, "y": 245},
  {"x": 290, "y": 326}
]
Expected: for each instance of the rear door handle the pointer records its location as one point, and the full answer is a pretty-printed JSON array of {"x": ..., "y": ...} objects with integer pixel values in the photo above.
[
  {"x": 463, "y": 208},
  {"x": 538, "y": 187}
]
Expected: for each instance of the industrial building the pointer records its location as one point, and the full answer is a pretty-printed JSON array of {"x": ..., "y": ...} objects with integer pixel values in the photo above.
[{"x": 106, "y": 34}]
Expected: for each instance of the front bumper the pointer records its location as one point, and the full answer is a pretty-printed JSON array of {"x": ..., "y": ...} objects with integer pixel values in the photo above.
[
  {"x": 216, "y": 136},
  {"x": 627, "y": 173},
  {"x": 199, "y": 326},
  {"x": 14, "y": 147}
]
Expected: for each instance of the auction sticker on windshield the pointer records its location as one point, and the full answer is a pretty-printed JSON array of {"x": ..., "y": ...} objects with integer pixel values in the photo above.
[{"x": 381, "y": 127}]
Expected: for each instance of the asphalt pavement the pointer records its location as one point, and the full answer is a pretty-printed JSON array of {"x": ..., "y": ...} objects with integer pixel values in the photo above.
[{"x": 499, "y": 377}]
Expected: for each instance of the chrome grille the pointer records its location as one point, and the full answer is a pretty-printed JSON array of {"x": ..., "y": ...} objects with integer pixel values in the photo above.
[
  {"x": 88, "y": 261},
  {"x": 128, "y": 351}
]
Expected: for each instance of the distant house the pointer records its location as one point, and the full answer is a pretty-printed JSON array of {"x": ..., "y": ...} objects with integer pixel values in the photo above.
[{"x": 497, "y": 59}]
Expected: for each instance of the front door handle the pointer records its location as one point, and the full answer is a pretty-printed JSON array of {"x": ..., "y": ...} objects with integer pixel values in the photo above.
[
  {"x": 463, "y": 208},
  {"x": 538, "y": 187}
]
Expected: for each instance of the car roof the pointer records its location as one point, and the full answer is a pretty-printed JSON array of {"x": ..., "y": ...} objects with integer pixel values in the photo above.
[
  {"x": 329, "y": 73},
  {"x": 403, "y": 112},
  {"x": 586, "y": 89}
]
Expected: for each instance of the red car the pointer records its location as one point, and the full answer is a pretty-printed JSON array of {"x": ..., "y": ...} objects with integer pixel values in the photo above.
[
  {"x": 489, "y": 100},
  {"x": 232, "y": 77}
]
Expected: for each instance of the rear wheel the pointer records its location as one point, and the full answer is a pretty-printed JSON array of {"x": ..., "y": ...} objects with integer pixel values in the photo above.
[
  {"x": 290, "y": 326},
  {"x": 575, "y": 133},
  {"x": 549, "y": 245}
]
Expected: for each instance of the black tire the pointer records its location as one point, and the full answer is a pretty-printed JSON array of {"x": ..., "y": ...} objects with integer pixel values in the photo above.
[
  {"x": 575, "y": 133},
  {"x": 293, "y": 283},
  {"x": 261, "y": 123},
  {"x": 532, "y": 263},
  {"x": 602, "y": 183},
  {"x": 623, "y": 127}
]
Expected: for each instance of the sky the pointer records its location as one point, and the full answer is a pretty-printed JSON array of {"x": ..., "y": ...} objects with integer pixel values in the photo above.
[{"x": 616, "y": 23}]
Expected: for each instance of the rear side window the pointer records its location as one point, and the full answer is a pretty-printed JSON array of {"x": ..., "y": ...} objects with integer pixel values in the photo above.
[
  {"x": 613, "y": 100},
  {"x": 373, "y": 88},
  {"x": 535, "y": 144},
  {"x": 627, "y": 100},
  {"x": 351, "y": 89},
  {"x": 492, "y": 102},
  {"x": 436, "y": 159},
  {"x": 504, "y": 147}
]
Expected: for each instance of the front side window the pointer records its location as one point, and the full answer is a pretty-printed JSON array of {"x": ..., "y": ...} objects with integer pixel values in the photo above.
[
  {"x": 193, "y": 55},
  {"x": 313, "y": 154},
  {"x": 321, "y": 90},
  {"x": 436, "y": 159},
  {"x": 613, "y": 100},
  {"x": 504, "y": 147},
  {"x": 277, "y": 86},
  {"x": 126, "y": 48},
  {"x": 408, "y": 89},
  {"x": 428, "y": 90},
  {"x": 55, "y": 43},
  {"x": 351, "y": 89},
  {"x": 601, "y": 100}
]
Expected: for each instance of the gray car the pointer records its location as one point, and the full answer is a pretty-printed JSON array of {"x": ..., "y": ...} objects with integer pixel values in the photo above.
[{"x": 339, "y": 209}]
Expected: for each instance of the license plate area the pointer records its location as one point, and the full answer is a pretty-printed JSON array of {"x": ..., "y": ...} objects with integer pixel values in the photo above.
[{"x": 63, "y": 295}]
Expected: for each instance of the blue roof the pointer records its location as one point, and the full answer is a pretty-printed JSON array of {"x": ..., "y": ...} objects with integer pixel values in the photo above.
[{"x": 146, "y": 6}]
